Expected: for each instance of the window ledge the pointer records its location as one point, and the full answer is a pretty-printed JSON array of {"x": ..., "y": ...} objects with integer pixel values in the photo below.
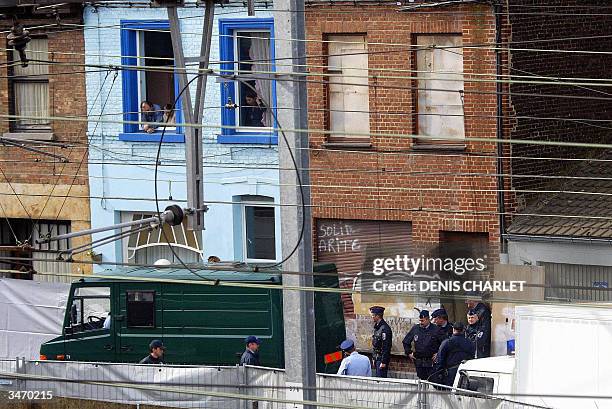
[
  {"x": 30, "y": 136},
  {"x": 260, "y": 139},
  {"x": 169, "y": 137},
  {"x": 351, "y": 145},
  {"x": 438, "y": 147}
]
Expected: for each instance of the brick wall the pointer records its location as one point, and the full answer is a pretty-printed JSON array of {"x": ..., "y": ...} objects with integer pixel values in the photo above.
[
  {"x": 48, "y": 188},
  {"x": 394, "y": 180},
  {"x": 66, "y": 98},
  {"x": 567, "y": 20}
]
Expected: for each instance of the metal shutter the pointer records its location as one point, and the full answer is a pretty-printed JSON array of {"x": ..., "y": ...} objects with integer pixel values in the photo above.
[
  {"x": 353, "y": 244},
  {"x": 567, "y": 275}
]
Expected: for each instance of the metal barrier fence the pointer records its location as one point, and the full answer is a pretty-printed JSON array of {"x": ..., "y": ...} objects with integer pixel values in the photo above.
[{"x": 224, "y": 387}]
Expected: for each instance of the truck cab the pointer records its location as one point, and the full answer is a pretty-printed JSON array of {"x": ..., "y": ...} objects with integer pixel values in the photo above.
[
  {"x": 113, "y": 317},
  {"x": 486, "y": 375}
]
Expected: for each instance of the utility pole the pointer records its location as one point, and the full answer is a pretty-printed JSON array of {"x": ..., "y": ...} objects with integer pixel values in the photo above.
[
  {"x": 192, "y": 114},
  {"x": 298, "y": 306}
]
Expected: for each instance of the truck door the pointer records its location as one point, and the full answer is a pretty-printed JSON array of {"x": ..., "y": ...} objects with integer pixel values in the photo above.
[
  {"x": 89, "y": 334},
  {"x": 140, "y": 320}
]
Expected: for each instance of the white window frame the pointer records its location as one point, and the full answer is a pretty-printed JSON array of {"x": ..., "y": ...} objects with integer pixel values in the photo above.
[{"x": 244, "y": 232}]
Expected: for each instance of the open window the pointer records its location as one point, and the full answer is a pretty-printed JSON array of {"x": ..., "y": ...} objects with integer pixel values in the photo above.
[
  {"x": 156, "y": 82},
  {"x": 247, "y": 50},
  {"x": 151, "y": 87},
  {"x": 90, "y": 310}
]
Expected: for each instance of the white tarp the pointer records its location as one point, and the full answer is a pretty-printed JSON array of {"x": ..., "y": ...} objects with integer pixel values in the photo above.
[{"x": 31, "y": 313}]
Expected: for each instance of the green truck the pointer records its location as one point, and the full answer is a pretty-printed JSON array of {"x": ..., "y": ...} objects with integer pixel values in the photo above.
[{"x": 112, "y": 318}]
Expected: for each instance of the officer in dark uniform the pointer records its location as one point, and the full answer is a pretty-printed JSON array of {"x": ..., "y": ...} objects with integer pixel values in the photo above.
[
  {"x": 381, "y": 342},
  {"x": 427, "y": 338},
  {"x": 481, "y": 309},
  {"x": 440, "y": 318},
  {"x": 479, "y": 334},
  {"x": 452, "y": 352}
]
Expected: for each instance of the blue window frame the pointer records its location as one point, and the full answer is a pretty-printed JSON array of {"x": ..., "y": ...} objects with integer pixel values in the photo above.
[
  {"x": 130, "y": 45},
  {"x": 240, "y": 42}
]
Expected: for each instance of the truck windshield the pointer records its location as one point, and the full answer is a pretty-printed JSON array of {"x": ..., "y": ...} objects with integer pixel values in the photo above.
[{"x": 90, "y": 309}]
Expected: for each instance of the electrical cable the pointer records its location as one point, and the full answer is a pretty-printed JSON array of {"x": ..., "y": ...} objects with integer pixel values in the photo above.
[
  {"x": 297, "y": 174},
  {"x": 271, "y": 285},
  {"x": 174, "y": 253}
]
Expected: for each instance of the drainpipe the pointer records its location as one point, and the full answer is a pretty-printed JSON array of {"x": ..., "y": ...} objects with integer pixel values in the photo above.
[{"x": 503, "y": 256}]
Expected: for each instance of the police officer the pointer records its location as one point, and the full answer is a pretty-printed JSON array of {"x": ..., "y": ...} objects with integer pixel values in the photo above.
[
  {"x": 440, "y": 318},
  {"x": 250, "y": 356},
  {"x": 482, "y": 310},
  {"x": 427, "y": 338},
  {"x": 452, "y": 352},
  {"x": 354, "y": 364},
  {"x": 479, "y": 334},
  {"x": 381, "y": 342}
]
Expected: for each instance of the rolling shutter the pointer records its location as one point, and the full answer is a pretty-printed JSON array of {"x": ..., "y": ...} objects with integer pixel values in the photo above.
[{"x": 353, "y": 244}]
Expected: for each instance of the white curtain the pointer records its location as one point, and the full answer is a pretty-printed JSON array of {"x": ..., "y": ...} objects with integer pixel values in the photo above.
[
  {"x": 32, "y": 97},
  {"x": 260, "y": 54}
]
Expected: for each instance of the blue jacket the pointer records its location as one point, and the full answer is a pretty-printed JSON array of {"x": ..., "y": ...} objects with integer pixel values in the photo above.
[
  {"x": 249, "y": 358},
  {"x": 152, "y": 116},
  {"x": 452, "y": 352}
]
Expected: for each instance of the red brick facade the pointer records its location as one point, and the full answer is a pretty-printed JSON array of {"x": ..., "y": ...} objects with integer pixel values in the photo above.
[
  {"x": 66, "y": 99},
  {"x": 395, "y": 179},
  {"x": 49, "y": 189}
]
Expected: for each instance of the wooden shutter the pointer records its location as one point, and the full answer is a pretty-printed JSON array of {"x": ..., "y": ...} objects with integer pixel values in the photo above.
[
  {"x": 440, "y": 105},
  {"x": 348, "y": 89}
]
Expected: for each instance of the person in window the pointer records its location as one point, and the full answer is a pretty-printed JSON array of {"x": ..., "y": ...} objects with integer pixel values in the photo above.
[
  {"x": 150, "y": 113},
  {"x": 156, "y": 353},
  {"x": 169, "y": 116},
  {"x": 253, "y": 111}
]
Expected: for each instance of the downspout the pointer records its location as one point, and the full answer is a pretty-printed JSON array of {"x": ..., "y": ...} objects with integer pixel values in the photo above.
[{"x": 503, "y": 251}]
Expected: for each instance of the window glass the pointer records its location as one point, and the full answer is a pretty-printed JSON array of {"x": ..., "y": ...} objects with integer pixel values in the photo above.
[
  {"x": 253, "y": 61},
  {"x": 31, "y": 87},
  {"x": 141, "y": 309},
  {"x": 477, "y": 384},
  {"x": 90, "y": 309},
  {"x": 260, "y": 233}
]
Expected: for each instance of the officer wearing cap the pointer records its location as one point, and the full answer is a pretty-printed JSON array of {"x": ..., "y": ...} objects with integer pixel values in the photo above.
[
  {"x": 354, "y": 364},
  {"x": 156, "y": 353},
  {"x": 440, "y": 318},
  {"x": 479, "y": 334},
  {"x": 452, "y": 352},
  {"x": 482, "y": 310},
  {"x": 250, "y": 356},
  {"x": 381, "y": 342},
  {"x": 426, "y": 338}
]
